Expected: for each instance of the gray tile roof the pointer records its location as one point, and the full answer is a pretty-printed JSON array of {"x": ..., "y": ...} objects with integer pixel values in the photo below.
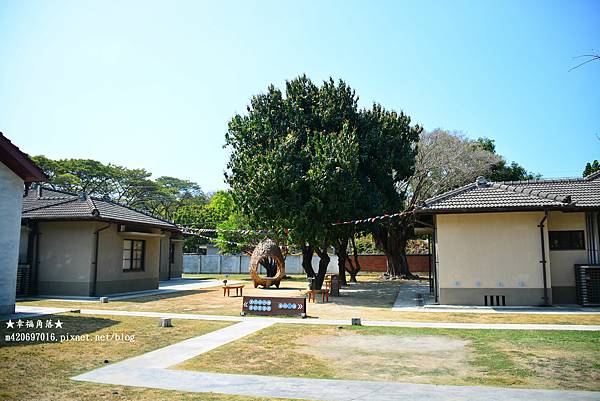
[
  {"x": 58, "y": 205},
  {"x": 565, "y": 194}
]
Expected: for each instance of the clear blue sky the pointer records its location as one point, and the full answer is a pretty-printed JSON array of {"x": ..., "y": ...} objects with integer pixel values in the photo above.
[{"x": 153, "y": 84}]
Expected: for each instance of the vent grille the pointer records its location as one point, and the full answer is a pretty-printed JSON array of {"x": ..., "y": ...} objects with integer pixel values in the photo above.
[{"x": 494, "y": 300}]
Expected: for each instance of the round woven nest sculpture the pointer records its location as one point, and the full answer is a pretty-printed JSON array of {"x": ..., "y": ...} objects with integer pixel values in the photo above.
[{"x": 267, "y": 254}]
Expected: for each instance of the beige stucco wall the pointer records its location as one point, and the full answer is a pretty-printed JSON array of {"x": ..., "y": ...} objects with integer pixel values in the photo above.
[
  {"x": 11, "y": 198},
  {"x": 65, "y": 257},
  {"x": 563, "y": 276},
  {"x": 67, "y": 253},
  {"x": 111, "y": 276},
  {"x": 490, "y": 254}
]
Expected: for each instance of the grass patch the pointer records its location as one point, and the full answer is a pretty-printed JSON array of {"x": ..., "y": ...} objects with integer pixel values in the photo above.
[
  {"x": 41, "y": 370},
  {"x": 528, "y": 359}
]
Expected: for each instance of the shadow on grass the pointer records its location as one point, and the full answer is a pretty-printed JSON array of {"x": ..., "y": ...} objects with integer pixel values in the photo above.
[{"x": 74, "y": 328}]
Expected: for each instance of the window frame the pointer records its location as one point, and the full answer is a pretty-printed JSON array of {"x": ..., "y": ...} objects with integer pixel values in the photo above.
[
  {"x": 570, "y": 246},
  {"x": 131, "y": 259}
]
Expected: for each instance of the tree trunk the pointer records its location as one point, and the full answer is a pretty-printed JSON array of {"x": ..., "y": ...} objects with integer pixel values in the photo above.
[
  {"x": 342, "y": 254},
  {"x": 356, "y": 268},
  {"x": 388, "y": 240},
  {"x": 270, "y": 266},
  {"x": 307, "y": 254},
  {"x": 395, "y": 250},
  {"x": 323, "y": 263}
]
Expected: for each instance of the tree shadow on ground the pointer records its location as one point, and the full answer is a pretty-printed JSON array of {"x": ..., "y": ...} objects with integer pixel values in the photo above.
[{"x": 160, "y": 297}]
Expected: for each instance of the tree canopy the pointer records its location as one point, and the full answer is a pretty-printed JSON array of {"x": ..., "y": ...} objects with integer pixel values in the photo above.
[
  {"x": 591, "y": 168},
  {"x": 307, "y": 157}
]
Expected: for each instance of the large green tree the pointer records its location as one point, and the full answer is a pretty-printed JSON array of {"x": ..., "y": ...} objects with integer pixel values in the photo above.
[
  {"x": 591, "y": 168},
  {"x": 293, "y": 162},
  {"x": 502, "y": 170},
  {"x": 163, "y": 196},
  {"x": 307, "y": 157}
]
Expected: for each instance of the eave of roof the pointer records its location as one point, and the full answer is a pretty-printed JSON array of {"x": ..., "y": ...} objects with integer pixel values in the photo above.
[
  {"x": 19, "y": 162},
  {"x": 66, "y": 206},
  {"x": 573, "y": 194}
]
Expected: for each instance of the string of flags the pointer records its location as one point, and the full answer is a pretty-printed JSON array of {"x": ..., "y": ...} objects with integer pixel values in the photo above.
[
  {"x": 374, "y": 219},
  {"x": 215, "y": 230},
  {"x": 222, "y": 240}
]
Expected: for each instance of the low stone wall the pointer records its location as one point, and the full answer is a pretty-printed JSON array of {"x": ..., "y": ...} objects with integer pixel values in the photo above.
[
  {"x": 378, "y": 263},
  {"x": 235, "y": 264}
]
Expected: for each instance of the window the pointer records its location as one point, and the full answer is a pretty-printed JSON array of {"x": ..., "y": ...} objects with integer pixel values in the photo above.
[
  {"x": 564, "y": 240},
  {"x": 133, "y": 254}
]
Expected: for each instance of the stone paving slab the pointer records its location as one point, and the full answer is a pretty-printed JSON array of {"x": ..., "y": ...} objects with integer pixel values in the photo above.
[
  {"x": 430, "y": 325},
  {"x": 318, "y": 389},
  {"x": 187, "y": 349},
  {"x": 165, "y": 287}
]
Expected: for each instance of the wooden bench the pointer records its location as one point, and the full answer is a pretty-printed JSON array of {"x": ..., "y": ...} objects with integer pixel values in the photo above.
[
  {"x": 312, "y": 294},
  {"x": 239, "y": 290}
]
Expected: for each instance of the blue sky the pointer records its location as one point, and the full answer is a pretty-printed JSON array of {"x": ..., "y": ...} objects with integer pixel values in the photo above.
[{"x": 153, "y": 84}]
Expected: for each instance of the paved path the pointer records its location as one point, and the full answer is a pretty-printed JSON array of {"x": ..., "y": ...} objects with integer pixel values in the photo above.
[
  {"x": 165, "y": 287},
  {"x": 431, "y": 325},
  {"x": 150, "y": 370}
]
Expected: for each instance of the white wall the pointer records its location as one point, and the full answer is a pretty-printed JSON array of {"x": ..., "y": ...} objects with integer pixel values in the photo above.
[
  {"x": 222, "y": 264},
  {"x": 11, "y": 198}
]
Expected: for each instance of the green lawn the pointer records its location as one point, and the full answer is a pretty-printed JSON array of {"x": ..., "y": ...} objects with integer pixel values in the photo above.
[{"x": 530, "y": 359}]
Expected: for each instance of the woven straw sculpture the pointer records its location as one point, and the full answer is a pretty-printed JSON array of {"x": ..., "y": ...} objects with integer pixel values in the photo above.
[{"x": 268, "y": 252}]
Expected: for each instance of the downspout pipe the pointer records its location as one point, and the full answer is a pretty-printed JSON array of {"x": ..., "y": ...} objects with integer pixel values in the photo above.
[
  {"x": 95, "y": 262},
  {"x": 544, "y": 261}
]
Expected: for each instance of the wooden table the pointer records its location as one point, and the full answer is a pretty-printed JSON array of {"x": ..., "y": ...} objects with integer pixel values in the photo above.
[
  {"x": 239, "y": 290},
  {"x": 312, "y": 294}
]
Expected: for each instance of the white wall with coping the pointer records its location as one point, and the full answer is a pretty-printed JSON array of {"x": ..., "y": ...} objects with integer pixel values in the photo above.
[
  {"x": 11, "y": 201},
  {"x": 221, "y": 264},
  {"x": 230, "y": 263},
  {"x": 191, "y": 263},
  {"x": 210, "y": 263}
]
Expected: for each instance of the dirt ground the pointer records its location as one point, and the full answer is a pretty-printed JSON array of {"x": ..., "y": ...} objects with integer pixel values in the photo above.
[
  {"x": 370, "y": 299},
  {"x": 508, "y": 358},
  {"x": 390, "y": 357}
]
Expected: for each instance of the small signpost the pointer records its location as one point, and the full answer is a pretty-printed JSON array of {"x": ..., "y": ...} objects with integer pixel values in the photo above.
[{"x": 274, "y": 306}]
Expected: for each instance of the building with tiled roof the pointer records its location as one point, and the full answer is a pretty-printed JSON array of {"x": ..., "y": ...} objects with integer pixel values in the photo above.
[
  {"x": 49, "y": 204},
  {"x": 17, "y": 172},
  {"x": 76, "y": 244},
  {"x": 517, "y": 242}
]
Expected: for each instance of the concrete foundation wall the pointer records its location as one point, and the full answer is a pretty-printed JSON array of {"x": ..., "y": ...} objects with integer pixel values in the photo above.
[
  {"x": 475, "y": 296},
  {"x": 11, "y": 199}
]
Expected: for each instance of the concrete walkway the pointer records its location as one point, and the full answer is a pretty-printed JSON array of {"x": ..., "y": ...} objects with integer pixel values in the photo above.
[
  {"x": 150, "y": 370},
  {"x": 272, "y": 320},
  {"x": 164, "y": 287}
]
